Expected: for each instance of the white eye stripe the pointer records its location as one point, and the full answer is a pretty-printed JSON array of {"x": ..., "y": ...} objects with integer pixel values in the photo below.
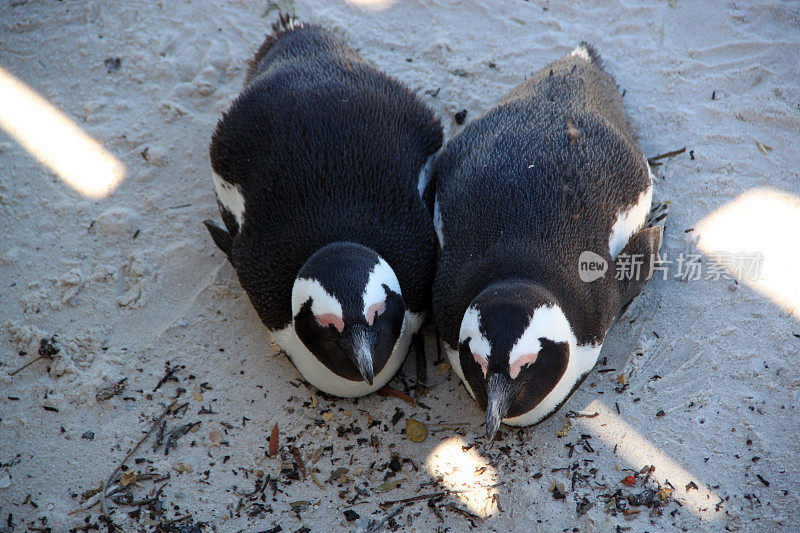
[
  {"x": 470, "y": 329},
  {"x": 374, "y": 293},
  {"x": 322, "y": 302},
  {"x": 547, "y": 322}
]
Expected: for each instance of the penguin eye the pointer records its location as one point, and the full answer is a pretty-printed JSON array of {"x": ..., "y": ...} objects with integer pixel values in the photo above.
[
  {"x": 330, "y": 320},
  {"x": 374, "y": 310},
  {"x": 482, "y": 362},
  {"x": 516, "y": 365}
]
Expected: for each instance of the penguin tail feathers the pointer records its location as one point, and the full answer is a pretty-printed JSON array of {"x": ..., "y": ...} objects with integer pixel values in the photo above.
[
  {"x": 220, "y": 236},
  {"x": 286, "y": 23},
  {"x": 589, "y": 53},
  {"x": 657, "y": 214}
]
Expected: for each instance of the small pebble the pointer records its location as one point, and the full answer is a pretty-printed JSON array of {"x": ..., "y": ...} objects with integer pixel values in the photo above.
[{"x": 416, "y": 430}]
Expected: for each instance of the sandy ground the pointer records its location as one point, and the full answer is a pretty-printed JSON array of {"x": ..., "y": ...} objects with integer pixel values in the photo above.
[{"x": 131, "y": 285}]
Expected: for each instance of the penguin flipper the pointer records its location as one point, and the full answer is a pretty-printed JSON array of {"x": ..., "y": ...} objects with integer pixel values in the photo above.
[
  {"x": 636, "y": 261},
  {"x": 220, "y": 236},
  {"x": 657, "y": 213}
]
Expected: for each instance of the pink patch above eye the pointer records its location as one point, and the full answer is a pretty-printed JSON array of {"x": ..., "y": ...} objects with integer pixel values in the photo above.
[
  {"x": 516, "y": 366},
  {"x": 329, "y": 319},
  {"x": 481, "y": 361},
  {"x": 374, "y": 310}
]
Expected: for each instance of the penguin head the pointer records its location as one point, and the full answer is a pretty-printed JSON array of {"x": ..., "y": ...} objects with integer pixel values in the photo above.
[
  {"x": 348, "y": 309},
  {"x": 514, "y": 347}
]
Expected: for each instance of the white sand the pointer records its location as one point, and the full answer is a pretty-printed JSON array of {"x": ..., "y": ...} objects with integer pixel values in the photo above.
[{"x": 129, "y": 281}]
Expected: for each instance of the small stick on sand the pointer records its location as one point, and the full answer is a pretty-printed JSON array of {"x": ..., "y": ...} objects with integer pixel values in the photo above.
[
  {"x": 26, "y": 365},
  {"x": 574, "y": 414},
  {"x": 379, "y": 525},
  {"x": 314, "y": 479},
  {"x": 413, "y": 499},
  {"x": 47, "y": 350},
  {"x": 389, "y": 391},
  {"x": 130, "y": 453},
  {"x": 432, "y": 495},
  {"x": 668, "y": 154}
]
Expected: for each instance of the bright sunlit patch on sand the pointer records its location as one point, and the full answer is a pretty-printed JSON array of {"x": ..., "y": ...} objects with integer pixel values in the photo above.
[
  {"x": 759, "y": 223},
  {"x": 639, "y": 452},
  {"x": 466, "y": 473},
  {"x": 374, "y": 5},
  {"x": 56, "y": 141}
]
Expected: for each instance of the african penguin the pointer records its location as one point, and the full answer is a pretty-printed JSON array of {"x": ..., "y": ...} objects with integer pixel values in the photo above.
[
  {"x": 321, "y": 166},
  {"x": 552, "y": 171}
]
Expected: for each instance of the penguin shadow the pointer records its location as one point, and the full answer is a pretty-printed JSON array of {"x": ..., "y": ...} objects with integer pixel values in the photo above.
[
  {"x": 623, "y": 340},
  {"x": 611, "y": 408}
]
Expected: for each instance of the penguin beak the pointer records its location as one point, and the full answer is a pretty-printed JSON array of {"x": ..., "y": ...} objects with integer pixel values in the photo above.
[
  {"x": 499, "y": 391},
  {"x": 359, "y": 345}
]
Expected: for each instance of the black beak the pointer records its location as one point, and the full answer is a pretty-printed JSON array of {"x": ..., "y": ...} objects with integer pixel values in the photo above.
[
  {"x": 498, "y": 400},
  {"x": 359, "y": 345}
]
